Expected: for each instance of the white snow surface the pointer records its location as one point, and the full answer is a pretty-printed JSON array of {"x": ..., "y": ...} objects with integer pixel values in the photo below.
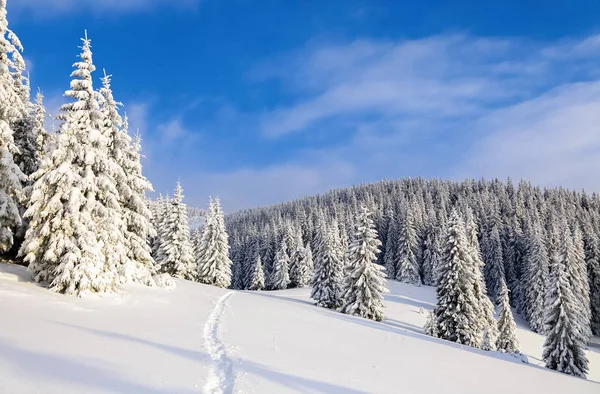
[{"x": 201, "y": 339}]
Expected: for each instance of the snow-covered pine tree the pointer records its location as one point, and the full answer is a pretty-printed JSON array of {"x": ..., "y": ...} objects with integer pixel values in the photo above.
[
  {"x": 214, "y": 265},
  {"x": 390, "y": 260},
  {"x": 280, "y": 276},
  {"x": 486, "y": 342},
  {"x": 13, "y": 109},
  {"x": 327, "y": 276},
  {"x": 112, "y": 187},
  {"x": 535, "y": 276},
  {"x": 430, "y": 327},
  {"x": 138, "y": 216},
  {"x": 493, "y": 258},
  {"x": 457, "y": 307},
  {"x": 592, "y": 258},
  {"x": 61, "y": 245},
  {"x": 564, "y": 348},
  {"x": 39, "y": 116},
  {"x": 486, "y": 321},
  {"x": 257, "y": 280},
  {"x": 175, "y": 253},
  {"x": 579, "y": 278},
  {"x": 296, "y": 258},
  {"x": 137, "y": 264},
  {"x": 159, "y": 213},
  {"x": 365, "y": 283},
  {"x": 408, "y": 266},
  {"x": 507, "y": 329},
  {"x": 431, "y": 256},
  {"x": 301, "y": 264}
]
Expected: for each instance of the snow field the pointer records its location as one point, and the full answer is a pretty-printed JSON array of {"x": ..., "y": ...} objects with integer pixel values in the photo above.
[{"x": 183, "y": 341}]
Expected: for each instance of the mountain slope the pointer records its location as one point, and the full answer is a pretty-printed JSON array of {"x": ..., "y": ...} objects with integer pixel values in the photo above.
[{"x": 198, "y": 338}]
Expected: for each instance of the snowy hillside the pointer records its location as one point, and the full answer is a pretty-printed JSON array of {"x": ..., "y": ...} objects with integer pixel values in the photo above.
[{"x": 199, "y": 338}]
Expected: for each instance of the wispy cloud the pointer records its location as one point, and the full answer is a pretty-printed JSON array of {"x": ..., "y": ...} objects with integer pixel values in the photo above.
[
  {"x": 443, "y": 77},
  {"x": 49, "y": 8},
  {"x": 448, "y": 106},
  {"x": 553, "y": 139}
]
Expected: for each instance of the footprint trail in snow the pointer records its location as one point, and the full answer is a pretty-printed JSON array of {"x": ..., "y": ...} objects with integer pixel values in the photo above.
[{"x": 221, "y": 377}]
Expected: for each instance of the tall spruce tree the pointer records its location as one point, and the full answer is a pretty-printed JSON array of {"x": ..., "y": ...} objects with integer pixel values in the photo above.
[
  {"x": 408, "y": 268},
  {"x": 327, "y": 277},
  {"x": 493, "y": 258},
  {"x": 507, "y": 336},
  {"x": 486, "y": 322},
  {"x": 301, "y": 264},
  {"x": 365, "y": 283},
  {"x": 111, "y": 187},
  {"x": 592, "y": 258},
  {"x": 457, "y": 307},
  {"x": 431, "y": 256},
  {"x": 62, "y": 243},
  {"x": 390, "y": 260},
  {"x": 579, "y": 277},
  {"x": 535, "y": 277},
  {"x": 257, "y": 280},
  {"x": 214, "y": 265},
  {"x": 564, "y": 348},
  {"x": 280, "y": 276},
  {"x": 13, "y": 110},
  {"x": 137, "y": 265},
  {"x": 175, "y": 253}
]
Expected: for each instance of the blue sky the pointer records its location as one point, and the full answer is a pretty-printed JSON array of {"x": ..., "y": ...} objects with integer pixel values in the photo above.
[{"x": 262, "y": 102}]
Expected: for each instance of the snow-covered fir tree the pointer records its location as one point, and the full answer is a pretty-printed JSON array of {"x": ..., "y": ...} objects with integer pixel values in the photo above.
[
  {"x": 39, "y": 117},
  {"x": 485, "y": 311},
  {"x": 486, "y": 341},
  {"x": 138, "y": 216},
  {"x": 408, "y": 266},
  {"x": 327, "y": 276},
  {"x": 301, "y": 264},
  {"x": 430, "y": 327},
  {"x": 507, "y": 329},
  {"x": 13, "y": 109},
  {"x": 564, "y": 348},
  {"x": 112, "y": 189},
  {"x": 280, "y": 275},
  {"x": 579, "y": 276},
  {"x": 257, "y": 280},
  {"x": 62, "y": 244},
  {"x": 365, "y": 283},
  {"x": 431, "y": 256},
  {"x": 175, "y": 253},
  {"x": 390, "y": 260},
  {"x": 161, "y": 208},
  {"x": 457, "y": 307},
  {"x": 493, "y": 259},
  {"x": 592, "y": 258},
  {"x": 535, "y": 277},
  {"x": 213, "y": 262},
  {"x": 137, "y": 264}
]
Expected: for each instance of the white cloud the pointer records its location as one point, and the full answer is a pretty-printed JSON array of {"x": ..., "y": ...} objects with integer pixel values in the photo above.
[
  {"x": 451, "y": 107},
  {"x": 551, "y": 140},
  {"x": 443, "y": 77},
  {"x": 57, "y": 7}
]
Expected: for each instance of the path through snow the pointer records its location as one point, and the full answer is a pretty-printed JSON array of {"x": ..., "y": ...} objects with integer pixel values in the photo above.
[{"x": 221, "y": 377}]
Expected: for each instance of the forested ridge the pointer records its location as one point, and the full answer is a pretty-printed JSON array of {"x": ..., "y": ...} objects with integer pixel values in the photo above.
[{"x": 519, "y": 230}]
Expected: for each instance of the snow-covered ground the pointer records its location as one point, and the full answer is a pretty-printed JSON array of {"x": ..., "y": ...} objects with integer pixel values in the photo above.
[{"x": 202, "y": 339}]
